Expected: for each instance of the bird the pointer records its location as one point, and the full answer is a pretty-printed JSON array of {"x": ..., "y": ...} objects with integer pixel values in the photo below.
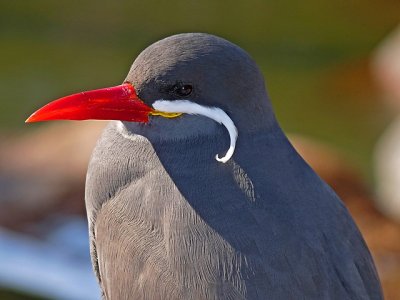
[{"x": 193, "y": 191}]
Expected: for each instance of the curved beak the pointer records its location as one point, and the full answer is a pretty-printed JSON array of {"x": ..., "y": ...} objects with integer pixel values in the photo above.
[{"x": 115, "y": 103}]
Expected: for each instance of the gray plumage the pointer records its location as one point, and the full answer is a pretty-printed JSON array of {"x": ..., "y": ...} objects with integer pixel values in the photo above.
[{"x": 167, "y": 221}]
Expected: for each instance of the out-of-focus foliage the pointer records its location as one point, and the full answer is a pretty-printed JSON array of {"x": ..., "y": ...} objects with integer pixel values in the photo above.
[
  {"x": 313, "y": 54},
  {"x": 17, "y": 295}
]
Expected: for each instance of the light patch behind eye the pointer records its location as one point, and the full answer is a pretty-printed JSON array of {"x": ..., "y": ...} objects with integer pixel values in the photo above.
[{"x": 214, "y": 113}]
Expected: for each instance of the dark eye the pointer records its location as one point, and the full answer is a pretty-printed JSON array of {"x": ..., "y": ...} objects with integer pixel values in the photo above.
[{"x": 183, "y": 90}]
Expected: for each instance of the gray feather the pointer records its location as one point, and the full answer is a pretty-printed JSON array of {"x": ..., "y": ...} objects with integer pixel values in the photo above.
[{"x": 168, "y": 221}]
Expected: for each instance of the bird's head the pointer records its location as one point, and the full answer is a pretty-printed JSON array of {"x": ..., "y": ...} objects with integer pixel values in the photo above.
[{"x": 192, "y": 73}]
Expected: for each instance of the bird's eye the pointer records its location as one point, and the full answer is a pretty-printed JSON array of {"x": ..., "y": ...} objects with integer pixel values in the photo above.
[{"x": 183, "y": 90}]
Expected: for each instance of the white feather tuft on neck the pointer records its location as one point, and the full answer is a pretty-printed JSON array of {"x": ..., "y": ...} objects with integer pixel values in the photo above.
[{"x": 214, "y": 113}]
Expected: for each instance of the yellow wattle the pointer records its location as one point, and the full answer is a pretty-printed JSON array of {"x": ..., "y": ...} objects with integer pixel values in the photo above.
[{"x": 164, "y": 114}]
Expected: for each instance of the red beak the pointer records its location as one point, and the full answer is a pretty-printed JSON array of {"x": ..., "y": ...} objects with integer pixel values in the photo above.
[{"x": 115, "y": 103}]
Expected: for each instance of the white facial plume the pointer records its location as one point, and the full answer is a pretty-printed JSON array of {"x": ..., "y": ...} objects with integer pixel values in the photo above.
[{"x": 214, "y": 113}]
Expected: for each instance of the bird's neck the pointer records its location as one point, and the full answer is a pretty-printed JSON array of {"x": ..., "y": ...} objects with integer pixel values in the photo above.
[
  {"x": 194, "y": 142},
  {"x": 263, "y": 165}
]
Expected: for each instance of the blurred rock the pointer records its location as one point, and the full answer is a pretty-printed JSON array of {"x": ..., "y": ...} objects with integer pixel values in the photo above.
[
  {"x": 386, "y": 68},
  {"x": 387, "y": 170},
  {"x": 43, "y": 171}
]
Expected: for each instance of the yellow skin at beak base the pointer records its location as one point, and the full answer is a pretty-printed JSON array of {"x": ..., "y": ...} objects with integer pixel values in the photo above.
[{"x": 164, "y": 114}]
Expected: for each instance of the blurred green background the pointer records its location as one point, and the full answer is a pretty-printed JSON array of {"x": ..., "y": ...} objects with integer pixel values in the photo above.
[{"x": 315, "y": 56}]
